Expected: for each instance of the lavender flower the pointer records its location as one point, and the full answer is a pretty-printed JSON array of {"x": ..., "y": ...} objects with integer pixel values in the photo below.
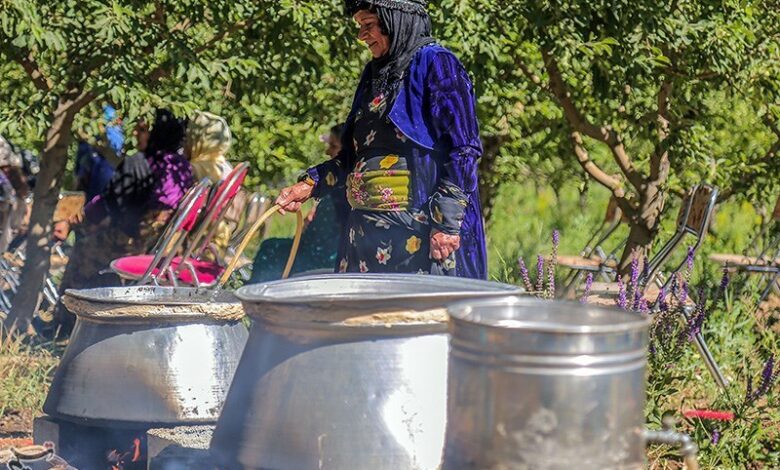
[
  {"x": 556, "y": 238},
  {"x": 539, "y": 273},
  {"x": 635, "y": 292},
  {"x": 662, "y": 305},
  {"x": 588, "y": 285},
  {"x": 621, "y": 301},
  {"x": 689, "y": 260},
  {"x": 715, "y": 437},
  {"x": 683, "y": 292},
  {"x": 697, "y": 319},
  {"x": 524, "y": 275},
  {"x": 724, "y": 280},
  {"x": 643, "y": 307},
  {"x": 768, "y": 378}
]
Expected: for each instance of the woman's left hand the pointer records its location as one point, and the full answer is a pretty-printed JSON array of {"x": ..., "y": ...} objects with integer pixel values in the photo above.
[{"x": 442, "y": 245}]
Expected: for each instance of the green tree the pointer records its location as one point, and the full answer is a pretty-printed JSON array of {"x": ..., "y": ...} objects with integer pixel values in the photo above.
[
  {"x": 644, "y": 90},
  {"x": 60, "y": 58}
]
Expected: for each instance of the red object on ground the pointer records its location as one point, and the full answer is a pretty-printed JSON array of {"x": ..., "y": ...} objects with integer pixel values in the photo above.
[{"x": 713, "y": 415}]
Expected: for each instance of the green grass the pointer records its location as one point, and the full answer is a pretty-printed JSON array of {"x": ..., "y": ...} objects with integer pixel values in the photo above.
[{"x": 25, "y": 373}]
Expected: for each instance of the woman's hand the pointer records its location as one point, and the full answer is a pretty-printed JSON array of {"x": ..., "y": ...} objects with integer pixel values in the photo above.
[
  {"x": 442, "y": 245},
  {"x": 292, "y": 197}
]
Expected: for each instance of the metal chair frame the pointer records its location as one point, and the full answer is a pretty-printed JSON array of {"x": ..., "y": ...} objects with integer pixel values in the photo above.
[
  {"x": 215, "y": 212},
  {"x": 172, "y": 238},
  {"x": 702, "y": 194}
]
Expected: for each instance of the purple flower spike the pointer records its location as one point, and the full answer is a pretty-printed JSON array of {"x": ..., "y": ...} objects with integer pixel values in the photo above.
[
  {"x": 524, "y": 275},
  {"x": 724, "y": 281},
  {"x": 643, "y": 307},
  {"x": 539, "y": 273},
  {"x": 767, "y": 377},
  {"x": 689, "y": 259},
  {"x": 634, "y": 273},
  {"x": 588, "y": 285},
  {"x": 715, "y": 438},
  {"x": 621, "y": 300},
  {"x": 684, "y": 292},
  {"x": 556, "y": 238},
  {"x": 662, "y": 305}
]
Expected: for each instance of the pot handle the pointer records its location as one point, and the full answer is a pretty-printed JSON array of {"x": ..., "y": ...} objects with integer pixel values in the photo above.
[
  {"x": 667, "y": 435},
  {"x": 248, "y": 237}
]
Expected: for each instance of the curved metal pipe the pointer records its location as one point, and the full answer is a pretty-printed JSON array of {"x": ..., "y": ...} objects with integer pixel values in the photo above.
[{"x": 683, "y": 442}]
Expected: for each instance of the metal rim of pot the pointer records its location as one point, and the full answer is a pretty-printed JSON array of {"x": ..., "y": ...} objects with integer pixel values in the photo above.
[
  {"x": 469, "y": 312},
  {"x": 339, "y": 300},
  {"x": 153, "y": 303}
]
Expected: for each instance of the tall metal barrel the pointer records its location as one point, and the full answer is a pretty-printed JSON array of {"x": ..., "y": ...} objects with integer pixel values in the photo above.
[{"x": 545, "y": 385}]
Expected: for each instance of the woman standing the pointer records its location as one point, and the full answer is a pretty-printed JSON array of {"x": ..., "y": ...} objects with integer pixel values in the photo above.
[{"x": 410, "y": 150}]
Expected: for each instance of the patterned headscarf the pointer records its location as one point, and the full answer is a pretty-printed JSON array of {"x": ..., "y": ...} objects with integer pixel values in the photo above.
[
  {"x": 409, "y": 27},
  {"x": 208, "y": 139}
]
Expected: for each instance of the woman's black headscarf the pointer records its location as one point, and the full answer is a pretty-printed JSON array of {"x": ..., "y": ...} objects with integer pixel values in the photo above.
[
  {"x": 166, "y": 135},
  {"x": 409, "y": 29}
]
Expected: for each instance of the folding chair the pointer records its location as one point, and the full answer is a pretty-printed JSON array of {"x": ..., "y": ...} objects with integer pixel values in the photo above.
[
  {"x": 767, "y": 260},
  {"x": 190, "y": 268},
  {"x": 693, "y": 219},
  {"x": 151, "y": 267},
  {"x": 592, "y": 257}
]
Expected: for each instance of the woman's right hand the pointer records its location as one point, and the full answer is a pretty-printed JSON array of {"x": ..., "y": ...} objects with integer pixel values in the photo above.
[{"x": 292, "y": 197}]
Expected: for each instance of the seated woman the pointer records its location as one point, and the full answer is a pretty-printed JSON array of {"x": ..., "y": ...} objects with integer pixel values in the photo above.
[
  {"x": 320, "y": 240},
  {"x": 206, "y": 143},
  {"x": 129, "y": 216}
]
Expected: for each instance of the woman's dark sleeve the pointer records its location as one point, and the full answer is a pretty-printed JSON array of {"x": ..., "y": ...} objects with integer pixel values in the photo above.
[{"x": 453, "y": 113}]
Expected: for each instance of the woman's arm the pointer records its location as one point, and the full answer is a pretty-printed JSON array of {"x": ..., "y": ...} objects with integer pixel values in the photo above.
[{"x": 454, "y": 118}]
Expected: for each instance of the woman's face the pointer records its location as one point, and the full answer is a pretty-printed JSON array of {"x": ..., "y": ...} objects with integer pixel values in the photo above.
[
  {"x": 334, "y": 146},
  {"x": 142, "y": 135},
  {"x": 371, "y": 33}
]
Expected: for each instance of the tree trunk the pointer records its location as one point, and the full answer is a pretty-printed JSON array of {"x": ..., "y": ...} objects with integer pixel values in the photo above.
[
  {"x": 644, "y": 225},
  {"x": 46, "y": 195},
  {"x": 488, "y": 181}
]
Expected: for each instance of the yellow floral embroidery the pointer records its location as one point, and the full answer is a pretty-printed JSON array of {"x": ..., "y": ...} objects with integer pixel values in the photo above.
[
  {"x": 438, "y": 217},
  {"x": 330, "y": 179},
  {"x": 413, "y": 245},
  {"x": 388, "y": 162}
]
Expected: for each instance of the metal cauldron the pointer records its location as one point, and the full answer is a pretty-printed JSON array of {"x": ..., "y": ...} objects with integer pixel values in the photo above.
[
  {"x": 343, "y": 372},
  {"x": 142, "y": 355},
  {"x": 545, "y": 385}
]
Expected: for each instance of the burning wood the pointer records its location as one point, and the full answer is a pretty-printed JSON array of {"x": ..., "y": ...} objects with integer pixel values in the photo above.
[{"x": 132, "y": 458}]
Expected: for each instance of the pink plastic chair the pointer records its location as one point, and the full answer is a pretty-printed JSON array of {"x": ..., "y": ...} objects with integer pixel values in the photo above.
[{"x": 149, "y": 267}]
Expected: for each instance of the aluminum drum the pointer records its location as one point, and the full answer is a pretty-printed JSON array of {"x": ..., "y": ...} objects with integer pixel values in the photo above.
[
  {"x": 545, "y": 385},
  {"x": 343, "y": 372}
]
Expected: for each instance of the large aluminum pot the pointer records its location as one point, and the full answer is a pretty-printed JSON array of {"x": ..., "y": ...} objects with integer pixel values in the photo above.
[
  {"x": 143, "y": 355},
  {"x": 546, "y": 386},
  {"x": 343, "y": 372}
]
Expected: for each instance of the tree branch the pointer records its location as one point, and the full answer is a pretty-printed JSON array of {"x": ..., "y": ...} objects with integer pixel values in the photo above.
[
  {"x": 659, "y": 160},
  {"x": 581, "y": 124},
  {"x": 610, "y": 182},
  {"x": 26, "y": 59}
]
